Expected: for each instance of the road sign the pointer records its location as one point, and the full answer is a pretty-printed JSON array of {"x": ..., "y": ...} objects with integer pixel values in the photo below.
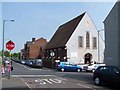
[
  {"x": 52, "y": 53},
  {"x": 10, "y": 45}
]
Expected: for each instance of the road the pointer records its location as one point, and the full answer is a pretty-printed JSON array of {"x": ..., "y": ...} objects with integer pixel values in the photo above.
[{"x": 34, "y": 78}]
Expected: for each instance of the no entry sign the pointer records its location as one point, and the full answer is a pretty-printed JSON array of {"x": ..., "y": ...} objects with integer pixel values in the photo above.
[{"x": 10, "y": 45}]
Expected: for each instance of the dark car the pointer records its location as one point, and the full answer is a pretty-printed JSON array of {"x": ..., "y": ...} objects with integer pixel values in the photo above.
[
  {"x": 29, "y": 62},
  {"x": 67, "y": 66},
  {"x": 37, "y": 63},
  {"x": 107, "y": 74}
]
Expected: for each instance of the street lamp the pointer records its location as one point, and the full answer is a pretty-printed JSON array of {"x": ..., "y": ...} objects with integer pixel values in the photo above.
[
  {"x": 3, "y": 38},
  {"x": 99, "y": 45}
]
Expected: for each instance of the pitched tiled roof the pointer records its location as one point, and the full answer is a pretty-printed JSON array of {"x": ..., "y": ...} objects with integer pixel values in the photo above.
[{"x": 63, "y": 33}]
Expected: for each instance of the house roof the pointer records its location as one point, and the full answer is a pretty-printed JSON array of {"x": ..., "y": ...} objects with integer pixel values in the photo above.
[{"x": 63, "y": 33}]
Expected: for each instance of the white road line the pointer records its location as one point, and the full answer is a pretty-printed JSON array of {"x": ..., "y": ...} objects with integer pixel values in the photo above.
[
  {"x": 32, "y": 75},
  {"x": 29, "y": 68},
  {"x": 22, "y": 66},
  {"x": 55, "y": 80},
  {"x": 86, "y": 86},
  {"x": 47, "y": 81},
  {"x": 34, "y": 69},
  {"x": 25, "y": 83}
]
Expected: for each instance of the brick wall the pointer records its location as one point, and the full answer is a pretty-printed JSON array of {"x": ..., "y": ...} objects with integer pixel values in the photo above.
[{"x": 36, "y": 48}]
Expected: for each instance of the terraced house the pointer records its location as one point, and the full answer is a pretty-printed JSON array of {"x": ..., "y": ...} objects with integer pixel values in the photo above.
[
  {"x": 75, "y": 41},
  {"x": 33, "y": 49}
]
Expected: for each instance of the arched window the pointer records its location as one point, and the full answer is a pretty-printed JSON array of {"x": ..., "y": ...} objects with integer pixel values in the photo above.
[
  {"x": 87, "y": 39},
  {"x": 80, "y": 41},
  {"x": 94, "y": 42}
]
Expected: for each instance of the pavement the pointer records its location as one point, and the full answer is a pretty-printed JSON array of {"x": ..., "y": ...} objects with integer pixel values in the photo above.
[{"x": 14, "y": 83}]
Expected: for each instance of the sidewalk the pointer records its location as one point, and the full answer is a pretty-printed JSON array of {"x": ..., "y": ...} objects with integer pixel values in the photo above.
[{"x": 13, "y": 84}]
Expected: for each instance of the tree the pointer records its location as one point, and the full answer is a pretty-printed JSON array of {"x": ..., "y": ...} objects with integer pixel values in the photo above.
[
  {"x": 15, "y": 55},
  {"x": 6, "y": 53}
]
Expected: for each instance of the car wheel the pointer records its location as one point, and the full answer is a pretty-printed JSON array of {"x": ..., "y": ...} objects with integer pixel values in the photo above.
[
  {"x": 97, "y": 81},
  {"x": 62, "y": 69},
  {"x": 78, "y": 70}
]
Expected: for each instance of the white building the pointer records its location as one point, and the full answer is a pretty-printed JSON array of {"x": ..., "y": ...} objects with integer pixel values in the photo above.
[{"x": 76, "y": 41}]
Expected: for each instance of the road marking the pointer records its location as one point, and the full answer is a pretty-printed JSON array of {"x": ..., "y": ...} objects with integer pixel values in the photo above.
[
  {"x": 33, "y": 75},
  {"x": 41, "y": 82},
  {"x": 25, "y": 83},
  {"x": 29, "y": 68},
  {"x": 55, "y": 80},
  {"x": 33, "y": 69},
  {"x": 49, "y": 81},
  {"x": 86, "y": 86},
  {"x": 22, "y": 65}
]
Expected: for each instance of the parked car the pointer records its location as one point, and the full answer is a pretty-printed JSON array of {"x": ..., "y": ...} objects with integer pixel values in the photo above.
[
  {"x": 67, "y": 66},
  {"x": 82, "y": 65},
  {"x": 107, "y": 74},
  {"x": 92, "y": 67},
  {"x": 29, "y": 62},
  {"x": 37, "y": 63},
  {"x": 22, "y": 61}
]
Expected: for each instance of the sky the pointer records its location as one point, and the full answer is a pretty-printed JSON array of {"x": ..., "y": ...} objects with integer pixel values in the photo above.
[{"x": 41, "y": 19}]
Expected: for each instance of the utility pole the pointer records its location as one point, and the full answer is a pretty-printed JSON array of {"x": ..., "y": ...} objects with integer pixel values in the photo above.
[
  {"x": 3, "y": 39},
  {"x": 99, "y": 45}
]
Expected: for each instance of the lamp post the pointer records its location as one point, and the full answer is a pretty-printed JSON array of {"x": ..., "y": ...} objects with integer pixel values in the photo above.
[
  {"x": 3, "y": 38},
  {"x": 99, "y": 45}
]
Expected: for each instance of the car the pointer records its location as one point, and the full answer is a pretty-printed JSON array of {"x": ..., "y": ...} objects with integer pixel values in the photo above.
[
  {"x": 92, "y": 67},
  {"x": 67, "y": 66},
  {"x": 29, "y": 62},
  {"x": 22, "y": 61},
  {"x": 37, "y": 63},
  {"x": 107, "y": 74}
]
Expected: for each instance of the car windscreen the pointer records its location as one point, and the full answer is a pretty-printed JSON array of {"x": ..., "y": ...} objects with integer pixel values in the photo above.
[{"x": 38, "y": 61}]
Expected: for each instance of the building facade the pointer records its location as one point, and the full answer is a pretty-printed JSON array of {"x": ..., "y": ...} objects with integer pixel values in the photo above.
[
  {"x": 75, "y": 41},
  {"x": 34, "y": 49},
  {"x": 37, "y": 48},
  {"x": 112, "y": 31}
]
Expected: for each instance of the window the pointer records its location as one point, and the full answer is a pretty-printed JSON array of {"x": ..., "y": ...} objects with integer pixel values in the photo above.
[
  {"x": 40, "y": 49},
  {"x": 116, "y": 70},
  {"x": 87, "y": 40},
  {"x": 80, "y": 41},
  {"x": 94, "y": 42},
  {"x": 104, "y": 69}
]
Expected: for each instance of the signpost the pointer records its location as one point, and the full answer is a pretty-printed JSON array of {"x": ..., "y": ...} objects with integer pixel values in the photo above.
[
  {"x": 52, "y": 55},
  {"x": 10, "y": 45}
]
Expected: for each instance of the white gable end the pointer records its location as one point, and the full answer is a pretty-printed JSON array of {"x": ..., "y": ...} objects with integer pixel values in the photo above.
[{"x": 75, "y": 53}]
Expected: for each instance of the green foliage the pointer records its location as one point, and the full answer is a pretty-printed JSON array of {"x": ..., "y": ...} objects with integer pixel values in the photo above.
[
  {"x": 7, "y": 54},
  {"x": 15, "y": 55}
]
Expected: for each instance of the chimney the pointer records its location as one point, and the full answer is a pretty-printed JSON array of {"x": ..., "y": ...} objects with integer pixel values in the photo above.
[{"x": 33, "y": 39}]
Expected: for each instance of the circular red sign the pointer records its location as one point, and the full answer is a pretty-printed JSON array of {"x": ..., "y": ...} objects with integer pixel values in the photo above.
[{"x": 10, "y": 45}]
